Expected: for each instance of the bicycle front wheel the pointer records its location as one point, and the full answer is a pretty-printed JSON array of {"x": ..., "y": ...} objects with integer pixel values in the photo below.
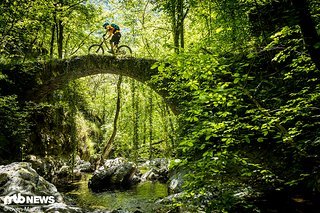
[
  {"x": 124, "y": 50},
  {"x": 96, "y": 49}
]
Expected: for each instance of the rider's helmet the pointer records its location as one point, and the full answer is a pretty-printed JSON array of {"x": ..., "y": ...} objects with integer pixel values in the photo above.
[{"x": 105, "y": 24}]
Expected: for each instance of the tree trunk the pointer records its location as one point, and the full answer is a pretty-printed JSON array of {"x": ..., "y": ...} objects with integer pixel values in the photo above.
[
  {"x": 107, "y": 149},
  {"x": 175, "y": 27},
  {"x": 135, "y": 116},
  {"x": 177, "y": 16},
  {"x": 309, "y": 31},
  {"x": 150, "y": 124},
  {"x": 180, "y": 23},
  {"x": 144, "y": 128},
  {"x": 172, "y": 130},
  {"x": 52, "y": 40},
  {"x": 165, "y": 122},
  {"x": 60, "y": 38}
]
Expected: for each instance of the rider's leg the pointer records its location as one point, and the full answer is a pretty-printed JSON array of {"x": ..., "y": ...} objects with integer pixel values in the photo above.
[
  {"x": 112, "y": 47},
  {"x": 111, "y": 44},
  {"x": 114, "y": 41}
]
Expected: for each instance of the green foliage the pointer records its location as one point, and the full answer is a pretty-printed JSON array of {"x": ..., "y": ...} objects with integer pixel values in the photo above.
[
  {"x": 248, "y": 120},
  {"x": 28, "y": 35},
  {"x": 14, "y": 128},
  {"x": 246, "y": 88}
]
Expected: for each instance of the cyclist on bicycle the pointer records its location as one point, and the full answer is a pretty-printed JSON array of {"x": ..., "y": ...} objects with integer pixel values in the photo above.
[{"x": 113, "y": 31}]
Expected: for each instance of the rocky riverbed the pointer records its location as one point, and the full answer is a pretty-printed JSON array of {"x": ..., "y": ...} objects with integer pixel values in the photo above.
[{"x": 117, "y": 186}]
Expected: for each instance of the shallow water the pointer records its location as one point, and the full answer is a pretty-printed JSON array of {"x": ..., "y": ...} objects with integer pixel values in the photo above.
[{"x": 141, "y": 196}]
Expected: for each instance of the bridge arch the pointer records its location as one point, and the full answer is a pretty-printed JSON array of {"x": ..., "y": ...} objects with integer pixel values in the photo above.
[{"x": 55, "y": 74}]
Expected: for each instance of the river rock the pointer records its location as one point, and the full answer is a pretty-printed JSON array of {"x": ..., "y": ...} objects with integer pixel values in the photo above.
[
  {"x": 56, "y": 208},
  {"x": 114, "y": 174},
  {"x": 84, "y": 166},
  {"x": 45, "y": 166},
  {"x": 58, "y": 171},
  {"x": 171, "y": 198},
  {"x": 67, "y": 172},
  {"x": 158, "y": 170},
  {"x": 21, "y": 178},
  {"x": 19, "y": 181},
  {"x": 175, "y": 183}
]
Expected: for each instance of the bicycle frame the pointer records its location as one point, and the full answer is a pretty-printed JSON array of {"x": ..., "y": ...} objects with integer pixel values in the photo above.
[
  {"x": 106, "y": 43},
  {"x": 119, "y": 50}
]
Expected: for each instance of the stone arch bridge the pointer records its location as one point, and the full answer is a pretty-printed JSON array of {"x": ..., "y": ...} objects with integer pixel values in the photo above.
[{"x": 53, "y": 75}]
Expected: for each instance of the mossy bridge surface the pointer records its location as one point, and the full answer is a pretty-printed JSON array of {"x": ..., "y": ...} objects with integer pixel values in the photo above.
[{"x": 49, "y": 76}]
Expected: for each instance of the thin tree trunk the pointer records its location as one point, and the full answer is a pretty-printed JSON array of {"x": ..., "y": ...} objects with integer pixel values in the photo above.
[
  {"x": 107, "y": 149},
  {"x": 60, "y": 38},
  {"x": 172, "y": 130},
  {"x": 180, "y": 21},
  {"x": 136, "y": 128},
  {"x": 144, "y": 128},
  {"x": 52, "y": 40},
  {"x": 165, "y": 127},
  {"x": 135, "y": 116},
  {"x": 150, "y": 124},
  {"x": 144, "y": 39},
  {"x": 66, "y": 46},
  {"x": 175, "y": 26}
]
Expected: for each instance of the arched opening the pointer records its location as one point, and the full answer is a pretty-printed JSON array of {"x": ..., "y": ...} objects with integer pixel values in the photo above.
[
  {"x": 56, "y": 74},
  {"x": 80, "y": 118}
]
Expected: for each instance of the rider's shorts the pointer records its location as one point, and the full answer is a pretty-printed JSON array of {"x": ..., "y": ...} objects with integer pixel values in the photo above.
[{"x": 116, "y": 38}]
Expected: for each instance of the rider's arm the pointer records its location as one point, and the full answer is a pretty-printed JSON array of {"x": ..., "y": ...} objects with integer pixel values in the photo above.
[{"x": 107, "y": 33}]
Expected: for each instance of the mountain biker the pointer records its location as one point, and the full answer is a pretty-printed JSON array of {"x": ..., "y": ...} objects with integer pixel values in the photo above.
[{"x": 113, "y": 31}]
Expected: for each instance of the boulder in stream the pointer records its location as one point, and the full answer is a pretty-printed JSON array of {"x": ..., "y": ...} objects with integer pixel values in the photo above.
[
  {"x": 22, "y": 189},
  {"x": 114, "y": 174},
  {"x": 158, "y": 170},
  {"x": 47, "y": 167}
]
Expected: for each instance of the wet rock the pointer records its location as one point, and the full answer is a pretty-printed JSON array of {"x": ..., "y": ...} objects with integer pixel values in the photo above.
[
  {"x": 158, "y": 170},
  {"x": 119, "y": 211},
  {"x": 113, "y": 211},
  {"x": 84, "y": 166},
  {"x": 22, "y": 178},
  {"x": 176, "y": 180},
  {"x": 66, "y": 173},
  {"x": 58, "y": 171},
  {"x": 114, "y": 174},
  {"x": 47, "y": 167},
  {"x": 151, "y": 175},
  {"x": 176, "y": 177},
  {"x": 21, "y": 185},
  {"x": 56, "y": 207},
  {"x": 175, "y": 183},
  {"x": 94, "y": 159},
  {"x": 171, "y": 198}
]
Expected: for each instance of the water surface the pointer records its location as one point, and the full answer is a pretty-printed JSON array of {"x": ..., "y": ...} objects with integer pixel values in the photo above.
[{"x": 142, "y": 196}]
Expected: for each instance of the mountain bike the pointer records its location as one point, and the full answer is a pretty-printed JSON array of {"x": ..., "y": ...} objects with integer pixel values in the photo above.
[{"x": 122, "y": 50}]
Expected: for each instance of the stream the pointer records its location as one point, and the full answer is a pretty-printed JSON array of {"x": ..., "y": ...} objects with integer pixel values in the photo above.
[{"x": 141, "y": 196}]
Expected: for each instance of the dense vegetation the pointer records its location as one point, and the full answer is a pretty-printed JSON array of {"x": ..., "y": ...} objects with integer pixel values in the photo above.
[{"x": 245, "y": 75}]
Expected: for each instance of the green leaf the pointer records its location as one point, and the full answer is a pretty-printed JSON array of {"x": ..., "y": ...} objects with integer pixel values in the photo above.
[
  {"x": 155, "y": 65},
  {"x": 260, "y": 140}
]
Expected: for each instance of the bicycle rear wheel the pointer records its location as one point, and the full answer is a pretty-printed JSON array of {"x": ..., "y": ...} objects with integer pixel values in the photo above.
[
  {"x": 96, "y": 49},
  {"x": 124, "y": 50}
]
